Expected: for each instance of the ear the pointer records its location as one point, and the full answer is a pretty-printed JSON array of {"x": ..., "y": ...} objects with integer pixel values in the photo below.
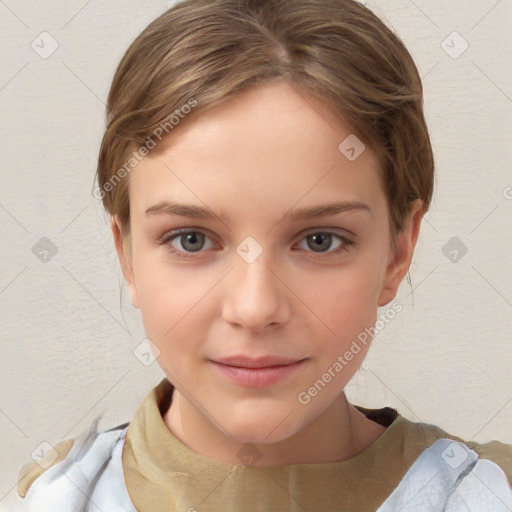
[
  {"x": 400, "y": 259},
  {"x": 122, "y": 242}
]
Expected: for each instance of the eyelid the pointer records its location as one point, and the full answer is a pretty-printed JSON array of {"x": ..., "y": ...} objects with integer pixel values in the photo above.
[
  {"x": 331, "y": 230},
  {"x": 182, "y": 231},
  {"x": 174, "y": 234}
]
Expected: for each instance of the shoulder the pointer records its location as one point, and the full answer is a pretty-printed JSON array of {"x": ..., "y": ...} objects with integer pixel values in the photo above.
[
  {"x": 497, "y": 452},
  {"x": 65, "y": 471},
  {"x": 423, "y": 435},
  {"x": 450, "y": 476},
  {"x": 410, "y": 439},
  {"x": 46, "y": 459}
]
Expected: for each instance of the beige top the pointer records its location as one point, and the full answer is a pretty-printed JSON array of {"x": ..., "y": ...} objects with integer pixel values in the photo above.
[{"x": 163, "y": 474}]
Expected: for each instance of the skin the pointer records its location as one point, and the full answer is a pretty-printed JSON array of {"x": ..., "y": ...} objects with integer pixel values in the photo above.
[{"x": 262, "y": 154}]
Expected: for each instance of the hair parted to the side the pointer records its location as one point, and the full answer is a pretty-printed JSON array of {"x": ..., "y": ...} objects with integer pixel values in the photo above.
[{"x": 337, "y": 50}]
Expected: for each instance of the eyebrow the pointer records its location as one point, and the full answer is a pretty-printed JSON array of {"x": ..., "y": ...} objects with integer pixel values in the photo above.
[{"x": 310, "y": 212}]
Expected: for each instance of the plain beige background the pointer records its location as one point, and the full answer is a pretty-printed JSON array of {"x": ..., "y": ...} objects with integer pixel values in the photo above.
[{"x": 67, "y": 344}]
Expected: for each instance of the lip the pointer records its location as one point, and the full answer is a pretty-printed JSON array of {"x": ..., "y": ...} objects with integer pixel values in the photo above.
[
  {"x": 241, "y": 361},
  {"x": 257, "y": 373}
]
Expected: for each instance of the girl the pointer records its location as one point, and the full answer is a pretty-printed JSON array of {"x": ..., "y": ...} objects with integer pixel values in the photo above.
[{"x": 266, "y": 165}]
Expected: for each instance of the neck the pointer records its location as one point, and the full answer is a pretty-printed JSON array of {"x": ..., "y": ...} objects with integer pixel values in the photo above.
[{"x": 339, "y": 433}]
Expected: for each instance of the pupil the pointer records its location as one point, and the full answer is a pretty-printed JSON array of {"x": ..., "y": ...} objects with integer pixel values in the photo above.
[
  {"x": 318, "y": 240},
  {"x": 191, "y": 238}
]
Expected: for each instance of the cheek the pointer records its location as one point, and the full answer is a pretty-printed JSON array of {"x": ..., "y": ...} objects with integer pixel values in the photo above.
[
  {"x": 167, "y": 307},
  {"x": 345, "y": 299},
  {"x": 169, "y": 322},
  {"x": 164, "y": 296},
  {"x": 174, "y": 305}
]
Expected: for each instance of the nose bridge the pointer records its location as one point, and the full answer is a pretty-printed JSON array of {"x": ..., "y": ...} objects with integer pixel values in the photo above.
[{"x": 255, "y": 295}]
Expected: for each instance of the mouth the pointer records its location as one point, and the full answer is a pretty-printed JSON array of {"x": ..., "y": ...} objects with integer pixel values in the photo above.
[{"x": 257, "y": 373}]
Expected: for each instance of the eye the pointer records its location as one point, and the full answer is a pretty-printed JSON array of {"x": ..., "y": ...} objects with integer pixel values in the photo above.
[
  {"x": 189, "y": 240},
  {"x": 321, "y": 240}
]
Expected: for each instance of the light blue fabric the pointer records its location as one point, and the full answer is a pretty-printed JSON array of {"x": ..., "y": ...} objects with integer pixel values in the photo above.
[
  {"x": 446, "y": 477},
  {"x": 89, "y": 479},
  {"x": 449, "y": 477}
]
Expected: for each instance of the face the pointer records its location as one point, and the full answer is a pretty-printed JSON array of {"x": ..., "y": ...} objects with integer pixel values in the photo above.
[{"x": 256, "y": 278}]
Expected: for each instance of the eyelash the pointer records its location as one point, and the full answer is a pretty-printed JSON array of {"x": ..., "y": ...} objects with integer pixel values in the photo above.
[{"x": 168, "y": 238}]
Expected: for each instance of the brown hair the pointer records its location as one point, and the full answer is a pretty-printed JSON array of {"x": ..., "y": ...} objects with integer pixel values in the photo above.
[{"x": 207, "y": 51}]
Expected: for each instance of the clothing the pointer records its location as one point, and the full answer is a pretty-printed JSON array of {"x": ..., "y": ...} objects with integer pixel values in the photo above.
[
  {"x": 89, "y": 479},
  {"x": 411, "y": 467}
]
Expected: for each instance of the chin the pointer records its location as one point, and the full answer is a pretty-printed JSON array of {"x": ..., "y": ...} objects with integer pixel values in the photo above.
[{"x": 262, "y": 428}]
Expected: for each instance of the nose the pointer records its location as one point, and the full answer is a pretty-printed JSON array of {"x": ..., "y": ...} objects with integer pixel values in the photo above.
[{"x": 256, "y": 296}]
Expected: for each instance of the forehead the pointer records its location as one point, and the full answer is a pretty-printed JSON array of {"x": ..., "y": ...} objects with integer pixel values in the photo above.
[{"x": 268, "y": 146}]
